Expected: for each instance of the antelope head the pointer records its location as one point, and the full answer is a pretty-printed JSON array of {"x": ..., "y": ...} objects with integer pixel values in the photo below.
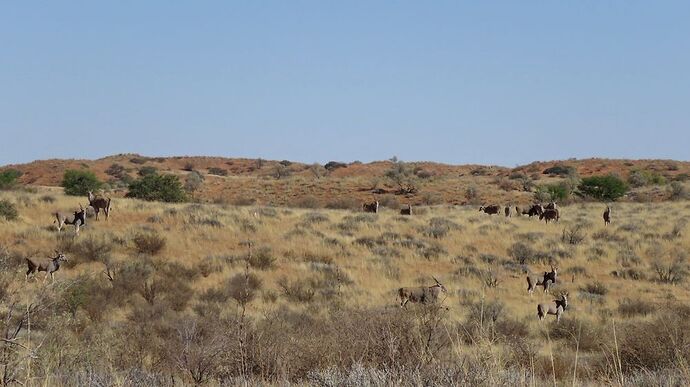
[
  {"x": 60, "y": 257},
  {"x": 440, "y": 285}
]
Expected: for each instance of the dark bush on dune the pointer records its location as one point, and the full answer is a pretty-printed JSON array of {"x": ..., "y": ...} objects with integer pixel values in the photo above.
[{"x": 155, "y": 187}]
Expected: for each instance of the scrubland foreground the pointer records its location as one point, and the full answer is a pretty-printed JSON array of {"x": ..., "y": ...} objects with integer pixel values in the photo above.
[{"x": 210, "y": 294}]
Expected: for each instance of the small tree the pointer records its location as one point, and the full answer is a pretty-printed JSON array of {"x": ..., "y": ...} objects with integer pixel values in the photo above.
[
  {"x": 559, "y": 192},
  {"x": 607, "y": 188},
  {"x": 155, "y": 187},
  {"x": 8, "y": 178},
  {"x": 80, "y": 182},
  {"x": 403, "y": 176},
  {"x": 193, "y": 181}
]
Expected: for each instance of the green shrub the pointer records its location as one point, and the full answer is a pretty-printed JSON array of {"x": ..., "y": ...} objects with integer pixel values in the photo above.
[
  {"x": 80, "y": 182},
  {"x": 640, "y": 178},
  {"x": 559, "y": 192},
  {"x": 147, "y": 170},
  {"x": 8, "y": 178},
  {"x": 8, "y": 210},
  {"x": 560, "y": 170},
  {"x": 155, "y": 187},
  {"x": 607, "y": 188}
]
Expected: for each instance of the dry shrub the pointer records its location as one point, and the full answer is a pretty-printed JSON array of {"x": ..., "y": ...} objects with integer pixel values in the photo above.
[
  {"x": 314, "y": 218},
  {"x": 299, "y": 290},
  {"x": 635, "y": 307},
  {"x": 440, "y": 227},
  {"x": 243, "y": 287},
  {"x": 243, "y": 201},
  {"x": 308, "y": 201},
  {"x": 211, "y": 264},
  {"x": 574, "y": 235},
  {"x": 597, "y": 288},
  {"x": 262, "y": 259},
  {"x": 389, "y": 201},
  {"x": 148, "y": 242},
  {"x": 93, "y": 248},
  {"x": 344, "y": 203},
  {"x": 656, "y": 344},
  {"x": 576, "y": 332}
]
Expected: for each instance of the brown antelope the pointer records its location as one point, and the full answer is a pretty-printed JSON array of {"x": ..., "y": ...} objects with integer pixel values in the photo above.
[
  {"x": 99, "y": 203},
  {"x": 550, "y": 214},
  {"x": 545, "y": 280},
  {"x": 371, "y": 207},
  {"x": 423, "y": 294},
  {"x": 50, "y": 265},
  {"x": 406, "y": 211},
  {"x": 78, "y": 220},
  {"x": 607, "y": 216},
  {"x": 534, "y": 210},
  {"x": 490, "y": 209},
  {"x": 556, "y": 308}
]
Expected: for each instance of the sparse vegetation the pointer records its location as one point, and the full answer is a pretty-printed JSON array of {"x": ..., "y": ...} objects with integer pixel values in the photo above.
[{"x": 315, "y": 302}]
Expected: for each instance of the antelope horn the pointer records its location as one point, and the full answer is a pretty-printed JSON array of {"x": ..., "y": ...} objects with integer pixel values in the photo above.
[{"x": 435, "y": 279}]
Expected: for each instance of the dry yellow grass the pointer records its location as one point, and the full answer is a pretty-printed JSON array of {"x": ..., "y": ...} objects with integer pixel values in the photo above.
[{"x": 380, "y": 253}]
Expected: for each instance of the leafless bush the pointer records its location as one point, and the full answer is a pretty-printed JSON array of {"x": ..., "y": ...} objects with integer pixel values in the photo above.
[{"x": 574, "y": 235}]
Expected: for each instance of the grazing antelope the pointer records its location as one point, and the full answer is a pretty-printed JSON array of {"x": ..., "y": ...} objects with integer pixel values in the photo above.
[
  {"x": 78, "y": 220},
  {"x": 545, "y": 280},
  {"x": 50, "y": 265},
  {"x": 371, "y": 207},
  {"x": 534, "y": 210},
  {"x": 556, "y": 307},
  {"x": 423, "y": 294},
  {"x": 99, "y": 203},
  {"x": 490, "y": 209},
  {"x": 406, "y": 211},
  {"x": 550, "y": 214},
  {"x": 607, "y": 216},
  {"x": 507, "y": 212}
]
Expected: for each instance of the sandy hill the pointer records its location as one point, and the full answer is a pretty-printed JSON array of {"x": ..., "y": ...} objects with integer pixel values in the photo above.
[{"x": 340, "y": 185}]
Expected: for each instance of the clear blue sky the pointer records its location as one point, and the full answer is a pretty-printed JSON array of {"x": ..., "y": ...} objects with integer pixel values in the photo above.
[{"x": 503, "y": 82}]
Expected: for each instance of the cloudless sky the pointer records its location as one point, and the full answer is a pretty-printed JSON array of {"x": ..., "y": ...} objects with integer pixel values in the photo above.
[{"x": 494, "y": 82}]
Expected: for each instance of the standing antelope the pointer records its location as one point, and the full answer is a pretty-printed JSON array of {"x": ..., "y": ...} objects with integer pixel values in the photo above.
[
  {"x": 50, "y": 265},
  {"x": 371, "y": 207},
  {"x": 490, "y": 209},
  {"x": 423, "y": 294},
  {"x": 406, "y": 211},
  {"x": 99, "y": 203},
  {"x": 78, "y": 220},
  {"x": 550, "y": 214},
  {"x": 556, "y": 307},
  {"x": 545, "y": 280},
  {"x": 607, "y": 216}
]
